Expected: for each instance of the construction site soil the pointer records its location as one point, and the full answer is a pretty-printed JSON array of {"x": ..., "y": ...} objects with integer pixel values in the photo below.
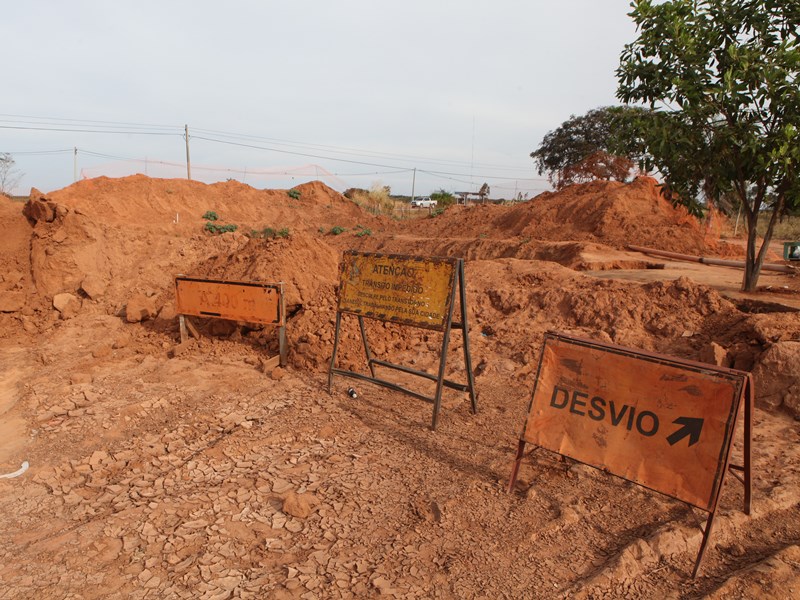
[{"x": 160, "y": 469}]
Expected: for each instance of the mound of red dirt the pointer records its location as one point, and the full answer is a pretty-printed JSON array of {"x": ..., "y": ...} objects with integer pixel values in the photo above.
[
  {"x": 15, "y": 260},
  {"x": 175, "y": 204},
  {"x": 108, "y": 239},
  {"x": 608, "y": 212}
]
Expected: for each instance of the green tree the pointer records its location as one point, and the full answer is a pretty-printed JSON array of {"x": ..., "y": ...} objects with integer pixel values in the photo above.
[
  {"x": 9, "y": 174},
  {"x": 443, "y": 198},
  {"x": 722, "y": 79},
  {"x": 597, "y": 145}
]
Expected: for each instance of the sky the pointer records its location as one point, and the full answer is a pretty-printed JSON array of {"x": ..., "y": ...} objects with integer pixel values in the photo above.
[{"x": 355, "y": 93}]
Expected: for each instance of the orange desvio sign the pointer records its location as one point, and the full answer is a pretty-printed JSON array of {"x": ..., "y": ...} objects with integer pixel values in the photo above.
[
  {"x": 234, "y": 300},
  {"x": 661, "y": 422},
  {"x": 402, "y": 289}
]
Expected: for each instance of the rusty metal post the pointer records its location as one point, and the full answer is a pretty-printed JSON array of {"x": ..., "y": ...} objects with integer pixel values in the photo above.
[
  {"x": 282, "y": 328},
  {"x": 366, "y": 345},
  {"x": 182, "y": 326},
  {"x": 749, "y": 397},
  {"x": 515, "y": 467},
  {"x": 437, "y": 399},
  {"x": 462, "y": 287},
  {"x": 335, "y": 348}
]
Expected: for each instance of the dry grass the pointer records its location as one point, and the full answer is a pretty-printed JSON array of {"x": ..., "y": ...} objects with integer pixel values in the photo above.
[
  {"x": 377, "y": 201},
  {"x": 787, "y": 229}
]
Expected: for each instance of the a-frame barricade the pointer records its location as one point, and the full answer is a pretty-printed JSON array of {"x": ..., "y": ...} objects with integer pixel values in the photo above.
[{"x": 408, "y": 290}]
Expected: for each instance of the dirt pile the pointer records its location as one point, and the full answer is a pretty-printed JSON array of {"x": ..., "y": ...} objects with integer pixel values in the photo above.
[
  {"x": 607, "y": 212},
  {"x": 15, "y": 257},
  {"x": 303, "y": 262},
  {"x": 106, "y": 240},
  {"x": 170, "y": 205}
]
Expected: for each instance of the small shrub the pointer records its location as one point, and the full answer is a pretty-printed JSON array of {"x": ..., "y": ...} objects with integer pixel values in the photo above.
[
  {"x": 337, "y": 230},
  {"x": 210, "y": 215},
  {"x": 443, "y": 198},
  {"x": 268, "y": 233},
  {"x": 283, "y": 233},
  {"x": 363, "y": 232},
  {"x": 437, "y": 211},
  {"x": 293, "y": 194},
  {"x": 217, "y": 229}
]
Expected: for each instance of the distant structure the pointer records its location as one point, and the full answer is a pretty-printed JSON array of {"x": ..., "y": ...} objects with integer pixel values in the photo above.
[{"x": 481, "y": 196}]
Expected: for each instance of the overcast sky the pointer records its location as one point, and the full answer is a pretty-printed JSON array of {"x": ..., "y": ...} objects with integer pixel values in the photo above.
[{"x": 463, "y": 91}]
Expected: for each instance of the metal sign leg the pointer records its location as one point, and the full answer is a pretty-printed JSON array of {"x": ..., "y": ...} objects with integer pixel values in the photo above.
[
  {"x": 335, "y": 348},
  {"x": 515, "y": 467},
  {"x": 282, "y": 328},
  {"x": 704, "y": 543},
  {"x": 437, "y": 400},
  {"x": 748, "y": 439},
  {"x": 182, "y": 325},
  {"x": 366, "y": 345},
  {"x": 282, "y": 345},
  {"x": 462, "y": 286}
]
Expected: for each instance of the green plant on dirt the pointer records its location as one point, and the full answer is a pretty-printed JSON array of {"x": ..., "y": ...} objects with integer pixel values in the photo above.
[
  {"x": 443, "y": 198},
  {"x": 210, "y": 215},
  {"x": 218, "y": 229},
  {"x": 336, "y": 230},
  {"x": 362, "y": 231},
  {"x": 269, "y": 233},
  {"x": 253, "y": 233},
  {"x": 436, "y": 212},
  {"x": 295, "y": 194}
]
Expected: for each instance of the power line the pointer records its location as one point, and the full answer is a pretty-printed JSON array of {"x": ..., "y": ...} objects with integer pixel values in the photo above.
[
  {"x": 42, "y": 152},
  {"x": 444, "y": 174},
  {"x": 90, "y": 121},
  {"x": 86, "y": 130},
  {"x": 348, "y": 150},
  {"x": 37, "y": 123},
  {"x": 355, "y": 162},
  {"x": 128, "y": 128}
]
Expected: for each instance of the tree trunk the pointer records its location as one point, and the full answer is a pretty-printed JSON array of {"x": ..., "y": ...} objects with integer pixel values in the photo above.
[
  {"x": 751, "y": 267},
  {"x": 753, "y": 263}
]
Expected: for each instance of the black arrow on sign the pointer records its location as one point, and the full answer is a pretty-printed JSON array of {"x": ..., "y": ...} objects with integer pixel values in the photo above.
[{"x": 690, "y": 426}]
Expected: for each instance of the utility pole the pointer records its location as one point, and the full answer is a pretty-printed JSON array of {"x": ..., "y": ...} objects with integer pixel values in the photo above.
[
  {"x": 75, "y": 164},
  {"x": 413, "y": 183},
  {"x": 188, "y": 162}
]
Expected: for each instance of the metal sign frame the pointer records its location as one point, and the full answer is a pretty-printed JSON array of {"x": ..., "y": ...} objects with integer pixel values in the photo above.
[
  {"x": 280, "y": 323},
  {"x": 744, "y": 396},
  {"x": 457, "y": 284}
]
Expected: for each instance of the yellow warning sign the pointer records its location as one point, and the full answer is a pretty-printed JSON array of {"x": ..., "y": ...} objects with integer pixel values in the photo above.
[
  {"x": 661, "y": 422},
  {"x": 391, "y": 287}
]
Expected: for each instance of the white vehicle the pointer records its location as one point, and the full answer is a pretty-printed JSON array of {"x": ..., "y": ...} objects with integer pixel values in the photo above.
[{"x": 423, "y": 202}]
